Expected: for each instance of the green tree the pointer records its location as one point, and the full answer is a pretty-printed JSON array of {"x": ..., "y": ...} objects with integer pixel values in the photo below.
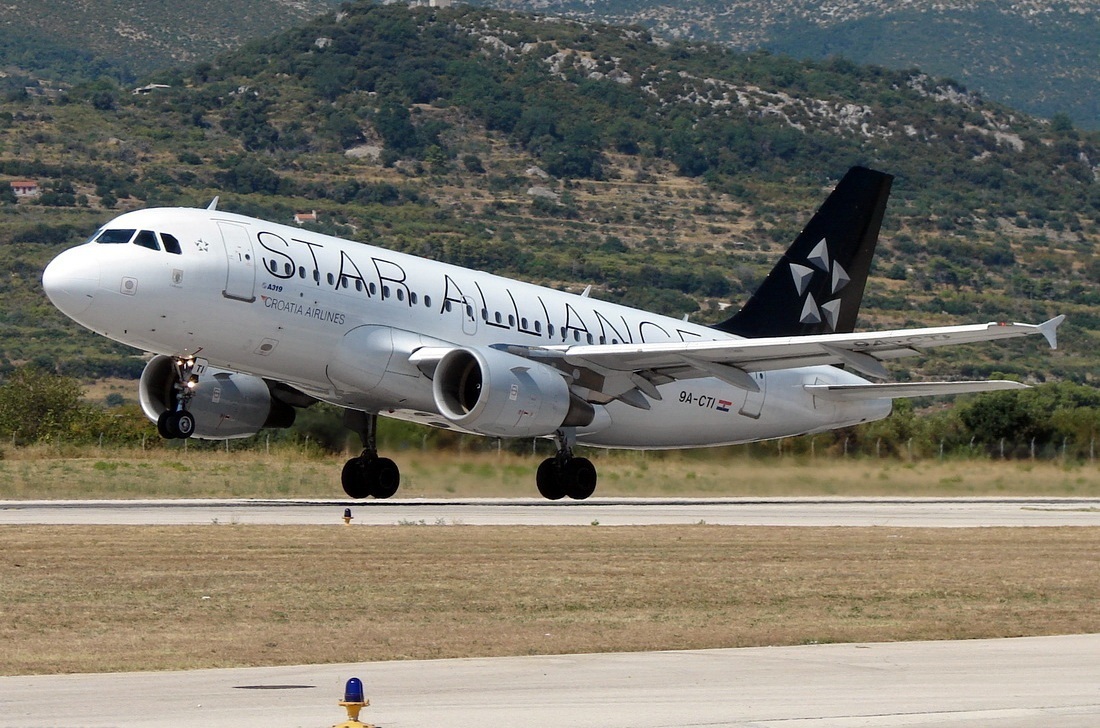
[{"x": 38, "y": 406}]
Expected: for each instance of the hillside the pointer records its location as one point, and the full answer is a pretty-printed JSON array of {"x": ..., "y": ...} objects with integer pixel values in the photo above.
[
  {"x": 1036, "y": 55},
  {"x": 572, "y": 153},
  {"x": 67, "y": 40}
]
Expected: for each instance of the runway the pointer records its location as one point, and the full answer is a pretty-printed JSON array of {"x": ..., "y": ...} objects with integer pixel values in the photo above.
[
  {"x": 1014, "y": 683},
  {"x": 893, "y": 512}
]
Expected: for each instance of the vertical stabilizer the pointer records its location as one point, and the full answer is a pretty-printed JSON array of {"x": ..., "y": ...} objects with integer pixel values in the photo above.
[{"x": 817, "y": 286}]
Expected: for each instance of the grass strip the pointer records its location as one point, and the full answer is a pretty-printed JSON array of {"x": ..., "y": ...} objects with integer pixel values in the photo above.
[
  {"x": 114, "y": 598},
  {"x": 120, "y": 474}
]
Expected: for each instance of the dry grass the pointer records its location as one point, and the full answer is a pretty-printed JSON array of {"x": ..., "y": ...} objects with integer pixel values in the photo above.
[
  {"x": 124, "y": 598},
  {"x": 45, "y": 473}
]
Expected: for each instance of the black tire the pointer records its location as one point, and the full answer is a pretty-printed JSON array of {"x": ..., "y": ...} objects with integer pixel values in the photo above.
[
  {"x": 354, "y": 479},
  {"x": 162, "y": 426},
  {"x": 579, "y": 478},
  {"x": 183, "y": 424},
  {"x": 385, "y": 478},
  {"x": 549, "y": 481}
]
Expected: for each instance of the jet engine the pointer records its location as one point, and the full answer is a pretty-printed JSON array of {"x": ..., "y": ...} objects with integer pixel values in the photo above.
[
  {"x": 225, "y": 404},
  {"x": 495, "y": 393}
]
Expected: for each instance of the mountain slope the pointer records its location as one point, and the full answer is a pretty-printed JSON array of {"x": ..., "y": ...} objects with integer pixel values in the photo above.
[
  {"x": 140, "y": 35},
  {"x": 1037, "y": 55},
  {"x": 569, "y": 153}
]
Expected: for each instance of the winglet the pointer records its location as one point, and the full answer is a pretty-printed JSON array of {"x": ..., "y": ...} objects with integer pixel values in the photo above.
[
  {"x": 213, "y": 203},
  {"x": 1049, "y": 330}
]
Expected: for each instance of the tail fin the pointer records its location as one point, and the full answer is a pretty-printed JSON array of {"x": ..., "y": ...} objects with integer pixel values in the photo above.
[{"x": 817, "y": 286}]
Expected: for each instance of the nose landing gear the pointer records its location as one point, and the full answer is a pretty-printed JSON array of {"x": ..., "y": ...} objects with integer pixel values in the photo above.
[
  {"x": 177, "y": 423},
  {"x": 565, "y": 474}
]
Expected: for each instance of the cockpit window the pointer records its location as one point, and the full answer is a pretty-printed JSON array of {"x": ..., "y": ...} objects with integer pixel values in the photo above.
[
  {"x": 171, "y": 244},
  {"x": 115, "y": 236},
  {"x": 147, "y": 239}
]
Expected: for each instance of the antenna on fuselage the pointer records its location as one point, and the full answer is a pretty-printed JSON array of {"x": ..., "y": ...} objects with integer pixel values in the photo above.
[{"x": 213, "y": 203}]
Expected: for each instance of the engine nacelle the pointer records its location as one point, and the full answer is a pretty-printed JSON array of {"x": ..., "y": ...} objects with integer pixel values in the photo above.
[
  {"x": 225, "y": 404},
  {"x": 492, "y": 392}
]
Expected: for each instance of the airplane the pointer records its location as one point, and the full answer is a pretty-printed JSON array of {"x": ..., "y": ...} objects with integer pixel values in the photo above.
[{"x": 249, "y": 320}]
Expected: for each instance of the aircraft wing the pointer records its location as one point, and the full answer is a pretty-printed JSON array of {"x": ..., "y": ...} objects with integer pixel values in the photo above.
[{"x": 645, "y": 366}]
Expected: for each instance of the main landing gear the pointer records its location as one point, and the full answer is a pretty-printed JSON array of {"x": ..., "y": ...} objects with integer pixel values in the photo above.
[
  {"x": 177, "y": 423},
  {"x": 371, "y": 476},
  {"x": 368, "y": 474},
  {"x": 564, "y": 474}
]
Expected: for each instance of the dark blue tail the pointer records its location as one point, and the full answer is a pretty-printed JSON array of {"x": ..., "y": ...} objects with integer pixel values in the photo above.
[{"x": 817, "y": 286}]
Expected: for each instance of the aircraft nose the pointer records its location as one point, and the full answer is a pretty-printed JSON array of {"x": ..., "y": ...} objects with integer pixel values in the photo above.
[{"x": 71, "y": 281}]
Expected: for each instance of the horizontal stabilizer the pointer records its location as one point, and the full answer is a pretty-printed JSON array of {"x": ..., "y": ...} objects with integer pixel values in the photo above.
[{"x": 848, "y": 392}]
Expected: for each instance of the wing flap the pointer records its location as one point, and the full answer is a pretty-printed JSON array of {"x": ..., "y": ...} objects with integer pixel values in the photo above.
[{"x": 848, "y": 392}]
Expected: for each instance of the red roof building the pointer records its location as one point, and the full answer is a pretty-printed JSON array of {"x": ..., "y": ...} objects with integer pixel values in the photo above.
[{"x": 24, "y": 188}]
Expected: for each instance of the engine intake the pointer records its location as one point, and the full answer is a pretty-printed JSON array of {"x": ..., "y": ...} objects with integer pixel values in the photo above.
[
  {"x": 225, "y": 404},
  {"x": 495, "y": 393}
]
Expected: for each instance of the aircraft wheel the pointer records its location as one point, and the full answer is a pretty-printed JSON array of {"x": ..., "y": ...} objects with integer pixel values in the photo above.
[
  {"x": 354, "y": 478},
  {"x": 549, "y": 481},
  {"x": 385, "y": 478},
  {"x": 176, "y": 425},
  {"x": 162, "y": 426},
  {"x": 183, "y": 423},
  {"x": 579, "y": 478},
  {"x": 366, "y": 476}
]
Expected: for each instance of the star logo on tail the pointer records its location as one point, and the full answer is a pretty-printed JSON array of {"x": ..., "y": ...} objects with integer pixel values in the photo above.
[{"x": 819, "y": 262}]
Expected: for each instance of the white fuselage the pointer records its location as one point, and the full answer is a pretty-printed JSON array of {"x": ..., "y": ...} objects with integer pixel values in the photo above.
[{"x": 279, "y": 302}]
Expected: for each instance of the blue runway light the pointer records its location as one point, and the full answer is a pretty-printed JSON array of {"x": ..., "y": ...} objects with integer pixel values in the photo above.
[{"x": 353, "y": 692}]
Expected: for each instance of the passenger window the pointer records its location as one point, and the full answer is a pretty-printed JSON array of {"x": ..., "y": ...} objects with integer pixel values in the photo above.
[
  {"x": 147, "y": 239},
  {"x": 171, "y": 244},
  {"x": 114, "y": 237}
]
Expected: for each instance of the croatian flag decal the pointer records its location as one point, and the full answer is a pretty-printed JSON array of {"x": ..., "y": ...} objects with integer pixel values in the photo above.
[{"x": 723, "y": 405}]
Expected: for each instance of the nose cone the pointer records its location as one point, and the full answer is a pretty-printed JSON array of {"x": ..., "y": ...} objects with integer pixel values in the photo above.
[{"x": 71, "y": 280}]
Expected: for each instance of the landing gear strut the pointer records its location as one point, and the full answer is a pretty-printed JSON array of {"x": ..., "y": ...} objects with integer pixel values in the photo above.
[
  {"x": 566, "y": 475},
  {"x": 368, "y": 474},
  {"x": 177, "y": 423}
]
